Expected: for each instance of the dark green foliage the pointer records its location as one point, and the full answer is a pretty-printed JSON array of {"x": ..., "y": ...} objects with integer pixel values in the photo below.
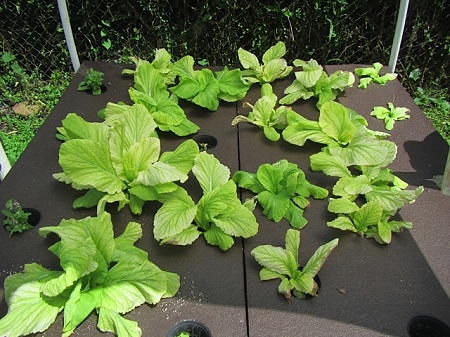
[
  {"x": 93, "y": 81},
  {"x": 16, "y": 219}
]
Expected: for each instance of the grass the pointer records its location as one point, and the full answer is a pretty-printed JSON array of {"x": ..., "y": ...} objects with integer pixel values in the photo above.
[
  {"x": 25, "y": 103},
  {"x": 435, "y": 105}
]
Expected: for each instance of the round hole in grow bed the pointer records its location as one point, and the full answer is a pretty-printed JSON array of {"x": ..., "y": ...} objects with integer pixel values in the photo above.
[
  {"x": 194, "y": 328},
  {"x": 427, "y": 326},
  {"x": 205, "y": 142},
  {"x": 34, "y": 217}
]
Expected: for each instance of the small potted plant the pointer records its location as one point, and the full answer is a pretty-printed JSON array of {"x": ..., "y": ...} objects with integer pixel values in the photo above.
[{"x": 189, "y": 328}]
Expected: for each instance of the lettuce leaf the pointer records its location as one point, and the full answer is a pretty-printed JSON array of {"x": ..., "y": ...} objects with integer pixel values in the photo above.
[
  {"x": 205, "y": 87},
  {"x": 283, "y": 263},
  {"x": 281, "y": 189},
  {"x": 273, "y": 65},
  {"x": 123, "y": 166},
  {"x": 100, "y": 273},
  {"x": 219, "y": 214},
  {"x": 313, "y": 81}
]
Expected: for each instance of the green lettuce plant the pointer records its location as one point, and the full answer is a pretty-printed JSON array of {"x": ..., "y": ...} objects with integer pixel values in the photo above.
[
  {"x": 390, "y": 114},
  {"x": 150, "y": 90},
  {"x": 372, "y": 74},
  {"x": 162, "y": 62},
  {"x": 205, "y": 87},
  {"x": 119, "y": 160},
  {"x": 219, "y": 215},
  {"x": 283, "y": 263},
  {"x": 102, "y": 274},
  {"x": 282, "y": 190},
  {"x": 264, "y": 114},
  {"x": 344, "y": 134},
  {"x": 313, "y": 81},
  {"x": 366, "y": 197},
  {"x": 273, "y": 66}
]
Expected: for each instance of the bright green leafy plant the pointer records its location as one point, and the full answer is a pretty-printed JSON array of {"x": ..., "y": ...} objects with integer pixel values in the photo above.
[
  {"x": 372, "y": 74},
  {"x": 219, "y": 215},
  {"x": 150, "y": 90},
  {"x": 313, "y": 81},
  {"x": 162, "y": 62},
  {"x": 93, "y": 82},
  {"x": 119, "y": 160},
  {"x": 264, "y": 114},
  {"x": 344, "y": 133},
  {"x": 273, "y": 66},
  {"x": 283, "y": 263},
  {"x": 390, "y": 115},
  {"x": 282, "y": 190},
  {"x": 366, "y": 197},
  {"x": 100, "y": 273},
  {"x": 16, "y": 219},
  {"x": 205, "y": 87}
]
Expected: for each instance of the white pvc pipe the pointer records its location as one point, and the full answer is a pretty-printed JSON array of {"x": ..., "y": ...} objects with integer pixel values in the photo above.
[
  {"x": 64, "y": 14},
  {"x": 399, "y": 28},
  {"x": 4, "y": 162}
]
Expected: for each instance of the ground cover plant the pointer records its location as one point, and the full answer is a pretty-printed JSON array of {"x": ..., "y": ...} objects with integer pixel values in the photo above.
[
  {"x": 119, "y": 160},
  {"x": 100, "y": 272},
  {"x": 26, "y": 100},
  {"x": 283, "y": 263},
  {"x": 219, "y": 215}
]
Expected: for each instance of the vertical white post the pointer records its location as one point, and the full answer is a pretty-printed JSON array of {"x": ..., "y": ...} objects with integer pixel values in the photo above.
[
  {"x": 399, "y": 28},
  {"x": 4, "y": 162},
  {"x": 64, "y": 14}
]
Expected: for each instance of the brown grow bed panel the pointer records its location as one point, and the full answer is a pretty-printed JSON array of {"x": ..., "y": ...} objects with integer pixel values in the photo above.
[{"x": 367, "y": 289}]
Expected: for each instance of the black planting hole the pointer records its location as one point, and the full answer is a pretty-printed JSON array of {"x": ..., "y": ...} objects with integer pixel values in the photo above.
[
  {"x": 34, "y": 217},
  {"x": 205, "y": 142},
  {"x": 194, "y": 328},
  {"x": 427, "y": 326}
]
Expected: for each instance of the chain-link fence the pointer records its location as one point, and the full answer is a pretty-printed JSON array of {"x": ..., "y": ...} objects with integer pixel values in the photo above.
[{"x": 333, "y": 31}]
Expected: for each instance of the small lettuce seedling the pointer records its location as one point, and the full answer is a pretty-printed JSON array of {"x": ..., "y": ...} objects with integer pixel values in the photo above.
[
  {"x": 16, "y": 219},
  {"x": 273, "y": 66},
  {"x": 372, "y": 74},
  {"x": 93, "y": 81},
  {"x": 390, "y": 115},
  {"x": 264, "y": 115},
  {"x": 205, "y": 87},
  {"x": 119, "y": 160},
  {"x": 282, "y": 190},
  {"x": 219, "y": 215},
  {"x": 283, "y": 263},
  {"x": 100, "y": 273},
  {"x": 313, "y": 81}
]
